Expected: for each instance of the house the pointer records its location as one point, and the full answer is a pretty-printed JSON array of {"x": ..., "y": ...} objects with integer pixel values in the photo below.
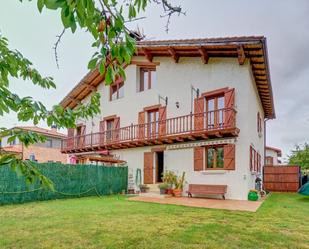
[
  {"x": 272, "y": 156},
  {"x": 48, "y": 151},
  {"x": 197, "y": 106}
]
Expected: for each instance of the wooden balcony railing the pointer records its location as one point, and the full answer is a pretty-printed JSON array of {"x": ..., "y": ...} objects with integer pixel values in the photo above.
[{"x": 192, "y": 126}]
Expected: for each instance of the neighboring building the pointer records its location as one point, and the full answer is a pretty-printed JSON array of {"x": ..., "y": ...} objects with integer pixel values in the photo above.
[
  {"x": 272, "y": 156},
  {"x": 49, "y": 151},
  {"x": 186, "y": 105}
]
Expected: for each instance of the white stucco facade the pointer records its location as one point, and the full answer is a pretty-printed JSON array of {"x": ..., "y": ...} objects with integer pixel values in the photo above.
[{"x": 174, "y": 81}]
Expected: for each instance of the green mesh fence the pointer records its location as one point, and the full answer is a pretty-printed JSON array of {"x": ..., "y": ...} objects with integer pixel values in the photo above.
[{"x": 69, "y": 181}]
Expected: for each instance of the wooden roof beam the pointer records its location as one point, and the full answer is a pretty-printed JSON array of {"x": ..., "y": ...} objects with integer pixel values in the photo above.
[
  {"x": 92, "y": 88},
  {"x": 74, "y": 100},
  {"x": 241, "y": 55},
  {"x": 174, "y": 55},
  {"x": 204, "y": 54},
  {"x": 148, "y": 55}
]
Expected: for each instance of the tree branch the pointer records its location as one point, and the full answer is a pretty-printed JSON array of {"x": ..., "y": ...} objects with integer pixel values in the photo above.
[{"x": 55, "y": 47}]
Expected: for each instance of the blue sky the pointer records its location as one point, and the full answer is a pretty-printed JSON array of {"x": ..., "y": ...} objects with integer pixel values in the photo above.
[{"x": 285, "y": 23}]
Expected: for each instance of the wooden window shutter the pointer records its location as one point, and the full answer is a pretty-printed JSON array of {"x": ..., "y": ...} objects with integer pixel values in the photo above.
[
  {"x": 148, "y": 167},
  {"x": 102, "y": 131},
  {"x": 258, "y": 122},
  {"x": 116, "y": 128},
  {"x": 162, "y": 120},
  {"x": 199, "y": 158},
  {"x": 82, "y": 138},
  {"x": 229, "y": 101},
  {"x": 229, "y": 157},
  {"x": 251, "y": 155},
  {"x": 70, "y": 132},
  {"x": 199, "y": 104},
  {"x": 141, "y": 125},
  {"x": 70, "y": 140}
]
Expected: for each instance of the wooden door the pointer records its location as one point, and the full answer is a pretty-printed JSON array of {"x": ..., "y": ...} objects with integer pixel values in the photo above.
[{"x": 148, "y": 168}]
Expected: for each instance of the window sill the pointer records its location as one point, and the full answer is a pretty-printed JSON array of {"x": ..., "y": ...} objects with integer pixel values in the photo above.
[{"x": 213, "y": 172}]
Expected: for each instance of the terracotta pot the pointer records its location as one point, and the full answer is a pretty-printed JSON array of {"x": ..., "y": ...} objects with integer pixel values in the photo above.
[
  {"x": 177, "y": 192},
  {"x": 169, "y": 191}
]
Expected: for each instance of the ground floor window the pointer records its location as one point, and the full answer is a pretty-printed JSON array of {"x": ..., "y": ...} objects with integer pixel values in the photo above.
[{"x": 215, "y": 157}]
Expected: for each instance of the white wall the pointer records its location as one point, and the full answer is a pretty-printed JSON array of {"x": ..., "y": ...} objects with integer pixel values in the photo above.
[{"x": 174, "y": 81}]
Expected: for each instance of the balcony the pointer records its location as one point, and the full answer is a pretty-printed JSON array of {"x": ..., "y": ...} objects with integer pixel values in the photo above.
[{"x": 213, "y": 124}]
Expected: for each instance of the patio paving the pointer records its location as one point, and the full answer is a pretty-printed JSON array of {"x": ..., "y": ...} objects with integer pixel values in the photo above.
[{"x": 236, "y": 205}]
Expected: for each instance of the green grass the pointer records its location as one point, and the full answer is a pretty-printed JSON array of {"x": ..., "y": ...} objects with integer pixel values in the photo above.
[{"x": 111, "y": 222}]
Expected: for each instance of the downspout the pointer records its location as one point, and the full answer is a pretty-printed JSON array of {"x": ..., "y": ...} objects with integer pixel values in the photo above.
[{"x": 265, "y": 120}]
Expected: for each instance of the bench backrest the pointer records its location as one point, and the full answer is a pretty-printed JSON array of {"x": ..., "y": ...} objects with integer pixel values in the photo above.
[{"x": 203, "y": 188}]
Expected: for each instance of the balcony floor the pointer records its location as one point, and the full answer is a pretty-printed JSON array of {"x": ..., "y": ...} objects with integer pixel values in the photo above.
[{"x": 156, "y": 140}]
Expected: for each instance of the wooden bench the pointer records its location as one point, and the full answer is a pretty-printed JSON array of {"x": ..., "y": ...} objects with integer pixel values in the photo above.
[{"x": 202, "y": 189}]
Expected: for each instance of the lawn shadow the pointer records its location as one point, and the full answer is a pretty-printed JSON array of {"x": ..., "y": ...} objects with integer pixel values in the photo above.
[{"x": 303, "y": 199}]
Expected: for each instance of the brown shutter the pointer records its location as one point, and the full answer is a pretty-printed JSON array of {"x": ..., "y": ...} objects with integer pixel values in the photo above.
[
  {"x": 141, "y": 125},
  {"x": 82, "y": 137},
  {"x": 199, "y": 114},
  {"x": 102, "y": 131},
  {"x": 162, "y": 121},
  {"x": 70, "y": 140},
  {"x": 199, "y": 158},
  {"x": 148, "y": 167},
  {"x": 251, "y": 154},
  {"x": 117, "y": 128},
  {"x": 229, "y": 100},
  {"x": 229, "y": 157}
]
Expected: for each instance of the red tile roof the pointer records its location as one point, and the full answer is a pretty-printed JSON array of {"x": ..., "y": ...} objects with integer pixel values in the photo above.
[{"x": 47, "y": 132}]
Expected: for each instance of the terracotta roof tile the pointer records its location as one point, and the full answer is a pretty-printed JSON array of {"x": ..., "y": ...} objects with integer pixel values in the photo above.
[{"x": 44, "y": 131}]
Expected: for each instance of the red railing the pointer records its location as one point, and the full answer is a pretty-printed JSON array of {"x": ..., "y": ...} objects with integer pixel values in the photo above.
[{"x": 189, "y": 124}]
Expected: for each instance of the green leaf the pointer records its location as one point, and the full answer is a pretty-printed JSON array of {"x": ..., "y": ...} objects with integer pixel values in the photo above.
[
  {"x": 92, "y": 63},
  {"x": 40, "y": 5},
  {"x": 102, "y": 68}
]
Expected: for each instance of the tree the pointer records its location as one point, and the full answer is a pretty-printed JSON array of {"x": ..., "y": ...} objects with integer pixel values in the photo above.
[
  {"x": 115, "y": 43},
  {"x": 300, "y": 156}
]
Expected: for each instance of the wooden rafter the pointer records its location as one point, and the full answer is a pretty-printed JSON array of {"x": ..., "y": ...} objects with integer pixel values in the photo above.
[
  {"x": 204, "y": 55},
  {"x": 174, "y": 55},
  {"x": 241, "y": 55},
  {"x": 148, "y": 55}
]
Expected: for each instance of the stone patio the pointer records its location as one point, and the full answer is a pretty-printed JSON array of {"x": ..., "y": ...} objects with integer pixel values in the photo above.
[{"x": 235, "y": 205}]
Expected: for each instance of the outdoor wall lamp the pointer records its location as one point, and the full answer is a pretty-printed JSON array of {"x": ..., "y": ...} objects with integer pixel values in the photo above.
[{"x": 177, "y": 104}]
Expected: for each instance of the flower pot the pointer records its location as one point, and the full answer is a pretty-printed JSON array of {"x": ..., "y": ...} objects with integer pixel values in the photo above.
[
  {"x": 177, "y": 192},
  {"x": 169, "y": 191},
  {"x": 253, "y": 196}
]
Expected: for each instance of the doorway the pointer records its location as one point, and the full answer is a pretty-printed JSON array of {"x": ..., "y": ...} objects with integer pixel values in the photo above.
[{"x": 159, "y": 165}]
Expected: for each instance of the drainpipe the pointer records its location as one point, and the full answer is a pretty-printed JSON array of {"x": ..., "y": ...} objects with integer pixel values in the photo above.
[{"x": 265, "y": 120}]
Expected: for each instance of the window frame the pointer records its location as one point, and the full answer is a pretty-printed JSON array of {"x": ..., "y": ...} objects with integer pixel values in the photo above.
[
  {"x": 216, "y": 111},
  {"x": 118, "y": 84},
  {"x": 215, "y": 157},
  {"x": 141, "y": 83}
]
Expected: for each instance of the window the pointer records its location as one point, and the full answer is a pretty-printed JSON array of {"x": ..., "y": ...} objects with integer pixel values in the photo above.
[
  {"x": 109, "y": 128},
  {"x": 214, "y": 111},
  {"x": 117, "y": 90},
  {"x": 148, "y": 78},
  {"x": 269, "y": 160},
  {"x": 153, "y": 124},
  {"x": 255, "y": 160},
  {"x": 259, "y": 123},
  {"x": 13, "y": 142},
  {"x": 49, "y": 143},
  {"x": 214, "y": 157}
]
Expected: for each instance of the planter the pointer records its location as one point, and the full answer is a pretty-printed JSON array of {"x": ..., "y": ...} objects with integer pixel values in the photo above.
[
  {"x": 253, "y": 196},
  {"x": 169, "y": 191},
  {"x": 177, "y": 192}
]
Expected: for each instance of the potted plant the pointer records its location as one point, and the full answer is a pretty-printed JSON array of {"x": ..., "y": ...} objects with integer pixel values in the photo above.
[
  {"x": 163, "y": 188},
  {"x": 179, "y": 183},
  {"x": 253, "y": 195},
  {"x": 144, "y": 188},
  {"x": 169, "y": 178}
]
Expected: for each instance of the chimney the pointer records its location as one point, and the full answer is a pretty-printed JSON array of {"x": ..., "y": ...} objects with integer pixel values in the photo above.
[{"x": 54, "y": 128}]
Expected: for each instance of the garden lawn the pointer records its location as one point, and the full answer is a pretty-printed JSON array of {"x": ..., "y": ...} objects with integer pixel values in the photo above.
[{"x": 113, "y": 222}]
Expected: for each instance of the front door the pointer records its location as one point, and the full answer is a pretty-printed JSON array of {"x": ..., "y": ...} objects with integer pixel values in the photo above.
[
  {"x": 148, "y": 168},
  {"x": 159, "y": 165}
]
